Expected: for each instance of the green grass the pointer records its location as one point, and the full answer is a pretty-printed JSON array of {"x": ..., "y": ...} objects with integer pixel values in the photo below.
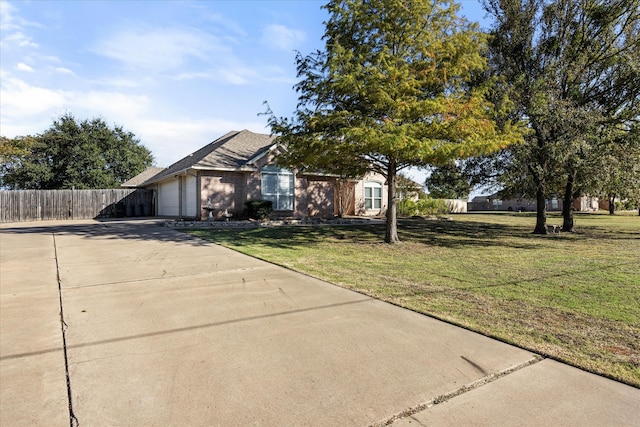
[{"x": 571, "y": 296}]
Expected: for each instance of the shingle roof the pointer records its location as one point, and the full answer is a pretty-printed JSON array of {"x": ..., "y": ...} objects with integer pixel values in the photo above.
[
  {"x": 142, "y": 177},
  {"x": 232, "y": 151}
]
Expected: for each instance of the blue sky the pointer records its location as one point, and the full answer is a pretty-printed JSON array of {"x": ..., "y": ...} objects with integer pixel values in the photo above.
[{"x": 178, "y": 74}]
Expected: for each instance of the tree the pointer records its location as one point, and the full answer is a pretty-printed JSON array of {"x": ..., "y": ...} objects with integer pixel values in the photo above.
[
  {"x": 11, "y": 151},
  {"x": 72, "y": 154},
  {"x": 448, "y": 182},
  {"x": 617, "y": 157},
  {"x": 394, "y": 87},
  {"x": 571, "y": 69}
]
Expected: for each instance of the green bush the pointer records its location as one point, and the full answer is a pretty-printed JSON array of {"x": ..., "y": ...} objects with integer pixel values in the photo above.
[
  {"x": 407, "y": 207},
  {"x": 430, "y": 206},
  {"x": 259, "y": 209},
  {"x": 425, "y": 206}
]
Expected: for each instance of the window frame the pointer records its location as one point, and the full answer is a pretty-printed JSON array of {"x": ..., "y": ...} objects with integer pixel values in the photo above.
[
  {"x": 372, "y": 198},
  {"x": 282, "y": 199}
]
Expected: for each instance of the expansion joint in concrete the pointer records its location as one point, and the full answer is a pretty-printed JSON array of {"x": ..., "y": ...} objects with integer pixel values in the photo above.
[
  {"x": 73, "y": 421},
  {"x": 408, "y": 413}
]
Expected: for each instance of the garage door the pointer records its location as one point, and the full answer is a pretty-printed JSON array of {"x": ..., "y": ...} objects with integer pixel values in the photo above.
[{"x": 169, "y": 198}]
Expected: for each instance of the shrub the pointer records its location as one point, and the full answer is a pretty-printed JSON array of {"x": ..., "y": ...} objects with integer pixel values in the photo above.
[
  {"x": 259, "y": 209},
  {"x": 431, "y": 206},
  {"x": 425, "y": 206}
]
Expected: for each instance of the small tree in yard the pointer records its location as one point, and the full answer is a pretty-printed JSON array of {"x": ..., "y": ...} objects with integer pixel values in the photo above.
[{"x": 394, "y": 87}]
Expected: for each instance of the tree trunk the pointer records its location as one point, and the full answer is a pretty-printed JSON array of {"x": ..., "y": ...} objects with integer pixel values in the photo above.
[
  {"x": 391, "y": 235},
  {"x": 567, "y": 209},
  {"x": 612, "y": 204},
  {"x": 541, "y": 211}
]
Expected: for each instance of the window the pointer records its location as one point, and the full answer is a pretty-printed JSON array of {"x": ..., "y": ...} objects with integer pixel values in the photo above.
[
  {"x": 277, "y": 186},
  {"x": 372, "y": 196}
]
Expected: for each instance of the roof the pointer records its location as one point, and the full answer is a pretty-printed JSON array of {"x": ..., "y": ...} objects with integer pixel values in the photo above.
[
  {"x": 142, "y": 177},
  {"x": 234, "y": 151}
]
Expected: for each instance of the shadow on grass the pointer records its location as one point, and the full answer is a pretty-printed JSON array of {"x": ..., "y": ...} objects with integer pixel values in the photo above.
[{"x": 414, "y": 230}]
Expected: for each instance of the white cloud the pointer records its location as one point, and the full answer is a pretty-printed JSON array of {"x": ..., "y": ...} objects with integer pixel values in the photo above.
[
  {"x": 24, "y": 67},
  {"x": 172, "y": 140},
  {"x": 281, "y": 37},
  {"x": 193, "y": 76},
  {"x": 113, "y": 105},
  {"x": 158, "y": 49},
  {"x": 18, "y": 98},
  {"x": 27, "y": 109},
  {"x": 7, "y": 17},
  {"x": 14, "y": 25},
  {"x": 118, "y": 82},
  {"x": 20, "y": 39},
  {"x": 63, "y": 70},
  {"x": 235, "y": 77},
  {"x": 228, "y": 25}
]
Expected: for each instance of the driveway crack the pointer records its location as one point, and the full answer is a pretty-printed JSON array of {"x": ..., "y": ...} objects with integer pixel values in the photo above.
[
  {"x": 73, "y": 421},
  {"x": 408, "y": 413}
]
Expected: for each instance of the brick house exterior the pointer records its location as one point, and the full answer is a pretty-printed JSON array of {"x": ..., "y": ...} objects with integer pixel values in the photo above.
[
  {"x": 495, "y": 202},
  {"x": 221, "y": 177}
]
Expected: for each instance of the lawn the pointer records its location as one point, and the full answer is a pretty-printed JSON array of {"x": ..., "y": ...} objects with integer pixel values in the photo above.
[{"x": 574, "y": 297}]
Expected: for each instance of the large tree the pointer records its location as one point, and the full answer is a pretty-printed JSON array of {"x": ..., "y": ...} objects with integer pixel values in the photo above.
[
  {"x": 395, "y": 86},
  {"x": 73, "y": 154},
  {"x": 448, "y": 182},
  {"x": 572, "y": 69}
]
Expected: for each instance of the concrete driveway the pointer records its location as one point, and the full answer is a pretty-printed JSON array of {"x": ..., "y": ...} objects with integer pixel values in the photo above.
[{"x": 130, "y": 324}]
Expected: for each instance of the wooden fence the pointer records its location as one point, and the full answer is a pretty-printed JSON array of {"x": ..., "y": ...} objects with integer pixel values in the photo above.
[{"x": 38, "y": 205}]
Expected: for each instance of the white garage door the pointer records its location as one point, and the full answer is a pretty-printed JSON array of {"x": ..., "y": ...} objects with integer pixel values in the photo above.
[{"x": 169, "y": 198}]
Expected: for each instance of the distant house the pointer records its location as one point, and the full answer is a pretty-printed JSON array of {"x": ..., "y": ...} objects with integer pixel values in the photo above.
[
  {"x": 495, "y": 202},
  {"x": 241, "y": 166}
]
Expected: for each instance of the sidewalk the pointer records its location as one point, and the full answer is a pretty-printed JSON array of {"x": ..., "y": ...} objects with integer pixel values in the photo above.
[{"x": 165, "y": 329}]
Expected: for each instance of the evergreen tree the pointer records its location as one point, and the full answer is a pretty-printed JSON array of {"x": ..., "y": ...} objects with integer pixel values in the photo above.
[
  {"x": 394, "y": 87},
  {"x": 72, "y": 154},
  {"x": 448, "y": 182}
]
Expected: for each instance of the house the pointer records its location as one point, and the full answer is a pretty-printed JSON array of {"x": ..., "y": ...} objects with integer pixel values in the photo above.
[
  {"x": 495, "y": 202},
  {"x": 141, "y": 178},
  {"x": 218, "y": 179}
]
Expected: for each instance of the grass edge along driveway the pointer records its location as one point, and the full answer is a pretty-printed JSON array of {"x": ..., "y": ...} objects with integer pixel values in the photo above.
[{"x": 574, "y": 297}]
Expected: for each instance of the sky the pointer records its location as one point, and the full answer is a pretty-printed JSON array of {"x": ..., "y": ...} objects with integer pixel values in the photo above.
[{"x": 178, "y": 74}]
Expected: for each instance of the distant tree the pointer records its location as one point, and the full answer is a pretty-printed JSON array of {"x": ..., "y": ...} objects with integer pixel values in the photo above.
[
  {"x": 11, "y": 152},
  {"x": 572, "y": 70},
  {"x": 394, "y": 87},
  {"x": 86, "y": 154},
  {"x": 617, "y": 158},
  {"x": 448, "y": 182}
]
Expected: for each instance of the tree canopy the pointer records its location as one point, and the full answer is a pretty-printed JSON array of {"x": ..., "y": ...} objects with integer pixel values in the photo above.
[
  {"x": 448, "y": 182},
  {"x": 72, "y": 154},
  {"x": 395, "y": 86},
  {"x": 571, "y": 68}
]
